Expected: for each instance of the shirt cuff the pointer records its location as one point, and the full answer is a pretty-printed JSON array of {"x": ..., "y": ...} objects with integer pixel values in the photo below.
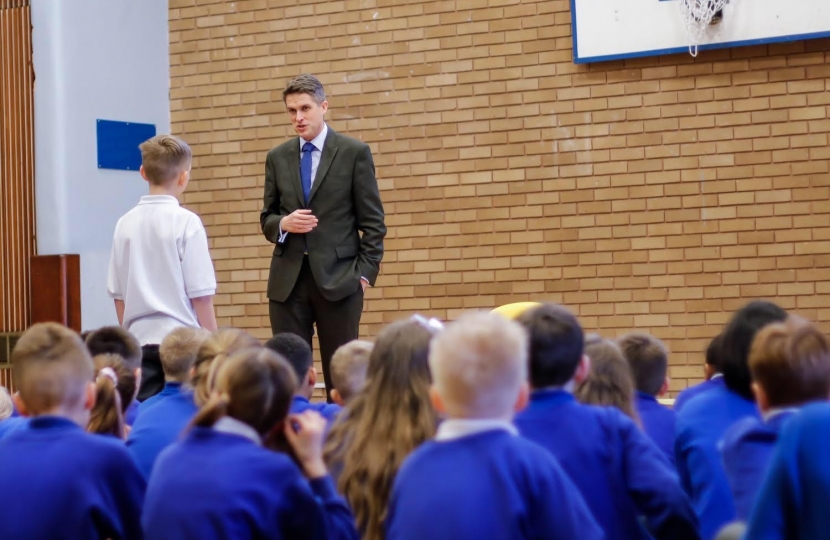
[
  {"x": 283, "y": 235},
  {"x": 368, "y": 284}
]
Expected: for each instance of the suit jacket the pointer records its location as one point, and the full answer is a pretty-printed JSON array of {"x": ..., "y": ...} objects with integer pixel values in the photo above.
[{"x": 345, "y": 199}]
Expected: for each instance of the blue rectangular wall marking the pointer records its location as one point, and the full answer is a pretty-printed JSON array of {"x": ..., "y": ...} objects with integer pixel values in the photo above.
[{"x": 118, "y": 144}]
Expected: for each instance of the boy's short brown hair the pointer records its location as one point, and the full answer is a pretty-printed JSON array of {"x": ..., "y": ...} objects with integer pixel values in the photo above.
[
  {"x": 348, "y": 367},
  {"x": 164, "y": 157},
  {"x": 178, "y": 352},
  {"x": 115, "y": 340},
  {"x": 649, "y": 361},
  {"x": 790, "y": 360},
  {"x": 52, "y": 367}
]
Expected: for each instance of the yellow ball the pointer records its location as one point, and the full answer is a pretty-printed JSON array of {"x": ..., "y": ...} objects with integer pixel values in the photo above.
[{"x": 514, "y": 310}]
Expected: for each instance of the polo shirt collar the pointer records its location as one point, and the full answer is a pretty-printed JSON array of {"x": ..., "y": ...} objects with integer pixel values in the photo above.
[{"x": 158, "y": 199}]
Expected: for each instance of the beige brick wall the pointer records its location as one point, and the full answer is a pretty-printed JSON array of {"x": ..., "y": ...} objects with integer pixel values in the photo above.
[{"x": 657, "y": 194}]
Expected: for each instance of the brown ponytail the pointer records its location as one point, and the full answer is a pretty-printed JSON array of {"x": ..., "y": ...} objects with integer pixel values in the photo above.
[
  {"x": 106, "y": 417},
  {"x": 253, "y": 386},
  {"x": 215, "y": 350}
]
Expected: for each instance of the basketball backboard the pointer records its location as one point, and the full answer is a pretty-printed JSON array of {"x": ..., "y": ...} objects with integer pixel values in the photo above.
[{"x": 617, "y": 29}]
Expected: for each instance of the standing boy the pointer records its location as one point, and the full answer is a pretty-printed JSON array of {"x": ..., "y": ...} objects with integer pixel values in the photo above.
[{"x": 161, "y": 276}]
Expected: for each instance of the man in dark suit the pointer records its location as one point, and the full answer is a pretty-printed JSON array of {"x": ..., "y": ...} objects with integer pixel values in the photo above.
[{"x": 320, "y": 194}]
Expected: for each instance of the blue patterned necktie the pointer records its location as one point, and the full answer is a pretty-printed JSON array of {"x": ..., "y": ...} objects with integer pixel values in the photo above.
[{"x": 305, "y": 170}]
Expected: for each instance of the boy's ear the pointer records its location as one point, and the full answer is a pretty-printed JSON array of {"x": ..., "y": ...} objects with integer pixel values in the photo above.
[
  {"x": 143, "y": 174},
  {"x": 311, "y": 377},
  {"x": 90, "y": 397},
  {"x": 709, "y": 371},
  {"x": 523, "y": 398},
  {"x": 437, "y": 402},
  {"x": 336, "y": 397},
  {"x": 19, "y": 405},
  {"x": 183, "y": 178},
  {"x": 665, "y": 388},
  {"x": 760, "y": 397},
  {"x": 583, "y": 369}
]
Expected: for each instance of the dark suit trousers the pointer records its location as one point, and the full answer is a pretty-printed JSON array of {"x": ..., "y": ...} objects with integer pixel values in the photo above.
[
  {"x": 152, "y": 375},
  {"x": 337, "y": 322}
]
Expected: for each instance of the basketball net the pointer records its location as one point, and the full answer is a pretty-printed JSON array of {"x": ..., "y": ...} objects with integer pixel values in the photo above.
[{"x": 697, "y": 15}]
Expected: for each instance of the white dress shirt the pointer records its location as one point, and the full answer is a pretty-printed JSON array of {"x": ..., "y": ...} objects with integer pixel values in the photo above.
[
  {"x": 316, "y": 154},
  {"x": 455, "y": 428}
]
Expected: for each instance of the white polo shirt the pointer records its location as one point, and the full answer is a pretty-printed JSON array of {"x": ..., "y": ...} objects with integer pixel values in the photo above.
[{"x": 160, "y": 260}]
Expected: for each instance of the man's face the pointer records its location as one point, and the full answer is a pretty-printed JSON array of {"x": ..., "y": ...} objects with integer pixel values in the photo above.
[{"x": 306, "y": 114}]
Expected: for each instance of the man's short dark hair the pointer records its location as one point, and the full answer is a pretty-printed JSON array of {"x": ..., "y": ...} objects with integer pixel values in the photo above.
[
  {"x": 306, "y": 84},
  {"x": 115, "y": 340},
  {"x": 649, "y": 361},
  {"x": 294, "y": 349},
  {"x": 737, "y": 339},
  {"x": 556, "y": 344}
]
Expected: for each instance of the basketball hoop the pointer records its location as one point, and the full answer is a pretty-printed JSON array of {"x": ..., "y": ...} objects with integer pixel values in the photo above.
[{"x": 697, "y": 16}]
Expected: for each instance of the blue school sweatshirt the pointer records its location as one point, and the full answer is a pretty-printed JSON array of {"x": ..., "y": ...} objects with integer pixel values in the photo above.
[
  {"x": 795, "y": 496},
  {"x": 329, "y": 411},
  {"x": 60, "y": 482},
  {"x": 214, "y": 485},
  {"x": 491, "y": 484},
  {"x": 686, "y": 395},
  {"x": 160, "y": 424},
  {"x": 619, "y": 471},
  {"x": 701, "y": 426},
  {"x": 747, "y": 449},
  {"x": 658, "y": 423},
  {"x": 131, "y": 413},
  {"x": 12, "y": 424}
]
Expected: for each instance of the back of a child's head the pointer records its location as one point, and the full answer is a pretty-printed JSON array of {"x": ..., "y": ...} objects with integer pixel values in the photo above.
[
  {"x": 556, "y": 344},
  {"x": 115, "y": 388},
  {"x": 737, "y": 339},
  {"x": 479, "y": 366},
  {"x": 253, "y": 386},
  {"x": 295, "y": 350},
  {"x": 714, "y": 353},
  {"x": 348, "y": 368},
  {"x": 649, "y": 361},
  {"x": 52, "y": 369},
  {"x": 164, "y": 158},
  {"x": 610, "y": 381},
  {"x": 115, "y": 340},
  {"x": 178, "y": 352},
  {"x": 221, "y": 344},
  {"x": 6, "y": 404},
  {"x": 790, "y": 361},
  {"x": 381, "y": 425}
]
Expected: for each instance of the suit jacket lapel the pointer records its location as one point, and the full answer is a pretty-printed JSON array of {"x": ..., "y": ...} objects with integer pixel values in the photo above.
[
  {"x": 293, "y": 159},
  {"x": 329, "y": 151}
]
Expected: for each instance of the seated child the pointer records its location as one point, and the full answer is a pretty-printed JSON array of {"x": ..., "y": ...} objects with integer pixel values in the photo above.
[
  {"x": 8, "y": 422},
  {"x": 649, "y": 361},
  {"x": 620, "y": 472},
  {"x": 348, "y": 370},
  {"x": 217, "y": 348},
  {"x": 66, "y": 483},
  {"x": 383, "y": 423},
  {"x": 116, "y": 340},
  {"x": 609, "y": 381},
  {"x": 790, "y": 365},
  {"x": 792, "y": 504},
  {"x": 296, "y": 350},
  {"x": 478, "y": 479},
  {"x": 703, "y": 421},
  {"x": 222, "y": 480},
  {"x": 713, "y": 378},
  {"x": 114, "y": 383},
  {"x": 165, "y": 415}
]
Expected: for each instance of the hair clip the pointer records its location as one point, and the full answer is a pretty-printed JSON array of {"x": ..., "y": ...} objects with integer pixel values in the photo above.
[
  {"x": 109, "y": 373},
  {"x": 432, "y": 324}
]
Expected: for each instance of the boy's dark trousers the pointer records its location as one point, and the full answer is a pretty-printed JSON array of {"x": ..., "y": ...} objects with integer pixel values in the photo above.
[{"x": 152, "y": 376}]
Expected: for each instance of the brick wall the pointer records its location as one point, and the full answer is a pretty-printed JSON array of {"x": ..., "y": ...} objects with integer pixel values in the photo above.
[{"x": 657, "y": 194}]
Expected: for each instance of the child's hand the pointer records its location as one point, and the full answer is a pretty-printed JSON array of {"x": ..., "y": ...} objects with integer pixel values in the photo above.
[{"x": 307, "y": 441}]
